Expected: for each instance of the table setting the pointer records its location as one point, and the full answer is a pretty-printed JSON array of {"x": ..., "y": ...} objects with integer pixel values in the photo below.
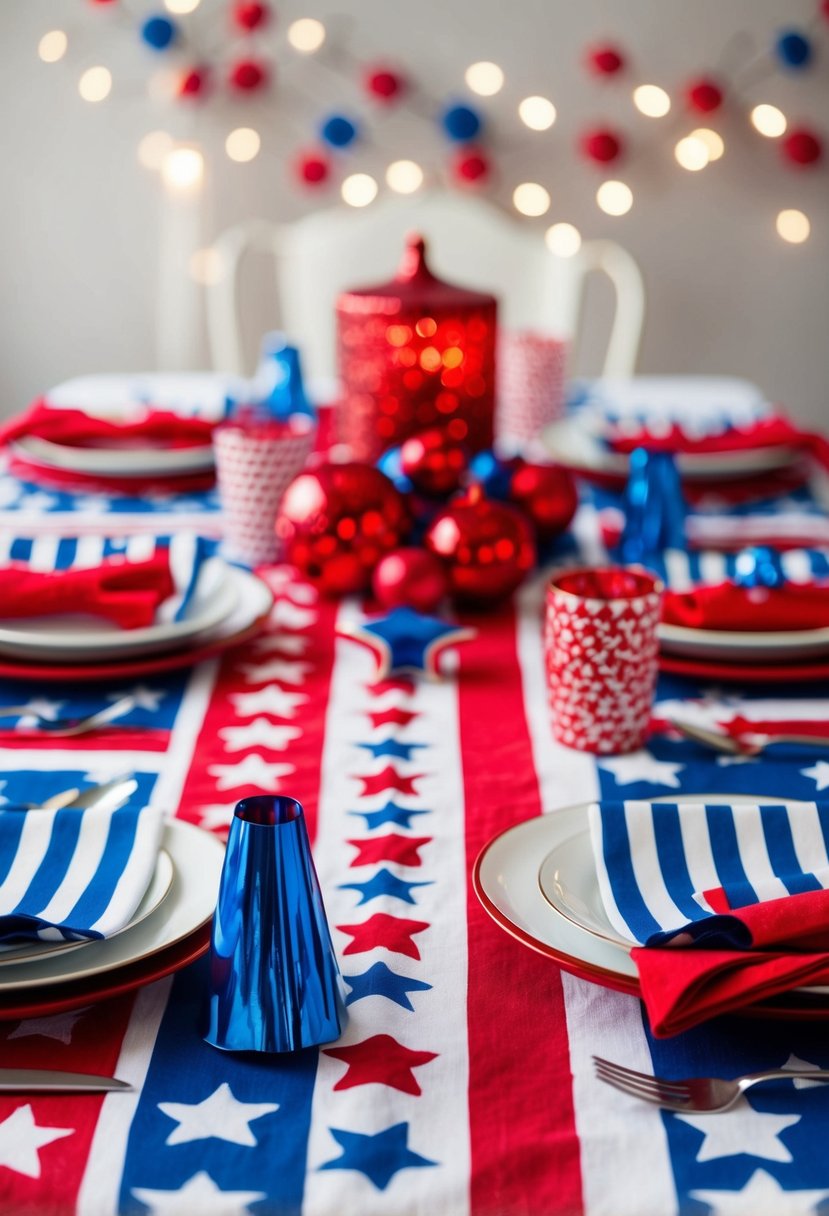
[{"x": 401, "y": 821}]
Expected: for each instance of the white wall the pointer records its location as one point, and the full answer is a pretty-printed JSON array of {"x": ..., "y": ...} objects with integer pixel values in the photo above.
[{"x": 80, "y": 219}]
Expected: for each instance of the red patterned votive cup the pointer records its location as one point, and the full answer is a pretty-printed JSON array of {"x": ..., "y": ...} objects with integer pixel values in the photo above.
[
  {"x": 601, "y": 651},
  {"x": 255, "y": 464},
  {"x": 531, "y": 381}
]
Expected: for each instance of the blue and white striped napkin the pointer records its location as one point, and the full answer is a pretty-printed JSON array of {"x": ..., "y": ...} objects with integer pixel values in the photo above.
[
  {"x": 73, "y": 874},
  {"x": 663, "y": 865}
]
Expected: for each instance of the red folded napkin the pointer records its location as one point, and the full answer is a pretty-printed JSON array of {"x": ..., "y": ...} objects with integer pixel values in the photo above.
[
  {"x": 775, "y": 431},
  {"x": 74, "y": 428},
  {"x": 724, "y": 963},
  {"x": 728, "y": 607},
  {"x": 127, "y": 593}
]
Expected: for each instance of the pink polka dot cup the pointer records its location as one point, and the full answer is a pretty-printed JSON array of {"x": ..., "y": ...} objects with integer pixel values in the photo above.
[{"x": 601, "y": 651}]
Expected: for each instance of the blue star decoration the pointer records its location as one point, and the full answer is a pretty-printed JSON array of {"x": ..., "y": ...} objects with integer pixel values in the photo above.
[
  {"x": 405, "y": 640},
  {"x": 390, "y": 813},
  {"x": 384, "y": 883},
  {"x": 391, "y": 747},
  {"x": 379, "y": 1157},
  {"x": 380, "y": 980}
]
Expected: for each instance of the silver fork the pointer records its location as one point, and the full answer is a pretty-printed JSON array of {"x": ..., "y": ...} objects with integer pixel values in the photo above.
[
  {"x": 65, "y": 728},
  {"x": 708, "y": 1094},
  {"x": 719, "y": 741}
]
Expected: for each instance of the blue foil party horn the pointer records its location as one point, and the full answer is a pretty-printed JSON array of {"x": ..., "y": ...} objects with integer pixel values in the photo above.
[
  {"x": 654, "y": 507},
  {"x": 274, "y": 981}
]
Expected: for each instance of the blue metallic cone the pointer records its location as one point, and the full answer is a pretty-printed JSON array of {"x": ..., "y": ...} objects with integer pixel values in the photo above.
[
  {"x": 286, "y": 397},
  {"x": 274, "y": 980},
  {"x": 654, "y": 507}
]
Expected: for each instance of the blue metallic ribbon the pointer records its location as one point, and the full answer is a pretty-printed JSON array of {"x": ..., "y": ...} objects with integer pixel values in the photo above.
[
  {"x": 654, "y": 507},
  {"x": 274, "y": 981},
  {"x": 758, "y": 566},
  {"x": 286, "y": 398}
]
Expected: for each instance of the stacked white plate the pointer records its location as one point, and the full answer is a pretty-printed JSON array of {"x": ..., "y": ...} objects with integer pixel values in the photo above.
[{"x": 126, "y": 462}]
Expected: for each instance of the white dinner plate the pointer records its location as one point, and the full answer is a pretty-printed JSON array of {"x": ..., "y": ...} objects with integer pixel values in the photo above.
[
  {"x": 158, "y": 890},
  {"x": 736, "y": 646},
  {"x": 197, "y": 858},
  {"x": 59, "y": 639},
  {"x": 571, "y": 442},
  {"x": 565, "y": 920},
  {"x": 115, "y": 461}
]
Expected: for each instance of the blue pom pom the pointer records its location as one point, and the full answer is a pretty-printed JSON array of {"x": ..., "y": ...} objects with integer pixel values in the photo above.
[
  {"x": 461, "y": 124},
  {"x": 793, "y": 49},
  {"x": 158, "y": 32},
  {"x": 338, "y": 131}
]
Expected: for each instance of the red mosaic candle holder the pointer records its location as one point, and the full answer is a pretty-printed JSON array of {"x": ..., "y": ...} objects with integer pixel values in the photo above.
[{"x": 415, "y": 353}]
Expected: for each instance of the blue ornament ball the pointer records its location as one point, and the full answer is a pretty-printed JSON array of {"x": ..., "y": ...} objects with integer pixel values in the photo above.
[
  {"x": 338, "y": 131},
  {"x": 158, "y": 32},
  {"x": 793, "y": 49},
  {"x": 493, "y": 474},
  {"x": 461, "y": 123},
  {"x": 391, "y": 464}
]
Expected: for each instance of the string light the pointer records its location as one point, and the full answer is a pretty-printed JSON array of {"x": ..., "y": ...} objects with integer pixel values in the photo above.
[
  {"x": 486, "y": 79},
  {"x": 692, "y": 153},
  {"x": 404, "y": 176},
  {"x": 651, "y": 100},
  {"x": 793, "y": 226},
  {"x": 564, "y": 240},
  {"x": 359, "y": 190},
  {"x": 181, "y": 7},
  {"x": 243, "y": 144},
  {"x": 95, "y": 84},
  {"x": 531, "y": 199},
  {"x": 537, "y": 113},
  {"x": 153, "y": 149},
  {"x": 769, "y": 121},
  {"x": 712, "y": 140},
  {"x": 306, "y": 35},
  {"x": 614, "y": 198},
  {"x": 52, "y": 46},
  {"x": 206, "y": 266},
  {"x": 182, "y": 170}
]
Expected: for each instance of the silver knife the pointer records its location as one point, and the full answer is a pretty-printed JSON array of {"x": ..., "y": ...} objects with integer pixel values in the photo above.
[{"x": 33, "y": 1080}]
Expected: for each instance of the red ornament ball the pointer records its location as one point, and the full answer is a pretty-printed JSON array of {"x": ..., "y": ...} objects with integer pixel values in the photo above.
[
  {"x": 487, "y": 547},
  {"x": 704, "y": 95},
  {"x": 313, "y": 169},
  {"x": 246, "y": 75},
  {"x": 410, "y": 578},
  {"x": 249, "y": 16},
  {"x": 433, "y": 462},
  {"x": 471, "y": 167},
  {"x": 802, "y": 147},
  {"x": 383, "y": 84},
  {"x": 193, "y": 83},
  {"x": 605, "y": 60},
  {"x": 547, "y": 494},
  {"x": 601, "y": 145},
  {"x": 336, "y": 523}
]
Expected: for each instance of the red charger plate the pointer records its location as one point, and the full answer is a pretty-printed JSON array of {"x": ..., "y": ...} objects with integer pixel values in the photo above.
[{"x": 745, "y": 673}]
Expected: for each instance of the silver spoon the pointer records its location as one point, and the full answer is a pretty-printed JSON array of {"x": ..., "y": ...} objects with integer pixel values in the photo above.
[
  {"x": 719, "y": 741},
  {"x": 65, "y": 728}
]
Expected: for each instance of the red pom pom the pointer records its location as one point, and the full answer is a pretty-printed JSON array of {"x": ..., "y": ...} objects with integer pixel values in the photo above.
[
  {"x": 249, "y": 16},
  {"x": 547, "y": 494},
  {"x": 471, "y": 167},
  {"x": 802, "y": 147},
  {"x": 384, "y": 84},
  {"x": 602, "y": 146},
  {"x": 605, "y": 60},
  {"x": 247, "y": 76},
  {"x": 312, "y": 168},
  {"x": 338, "y": 521},
  {"x": 704, "y": 96},
  {"x": 410, "y": 578},
  {"x": 487, "y": 547},
  {"x": 193, "y": 83},
  {"x": 433, "y": 462}
]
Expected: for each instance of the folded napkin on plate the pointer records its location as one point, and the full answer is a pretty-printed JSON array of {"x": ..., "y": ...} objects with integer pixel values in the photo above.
[
  {"x": 126, "y": 593},
  {"x": 716, "y": 901},
  {"x": 725, "y": 606},
  {"x": 77, "y": 429},
  {"x": 74, "y": 874}
]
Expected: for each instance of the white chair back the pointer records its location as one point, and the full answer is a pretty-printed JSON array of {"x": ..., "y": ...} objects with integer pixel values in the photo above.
[{"x": 469, "y": 242}]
